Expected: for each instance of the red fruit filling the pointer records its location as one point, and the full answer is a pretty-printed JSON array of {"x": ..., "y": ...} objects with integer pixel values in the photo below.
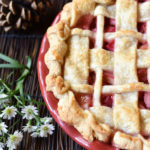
[
  {"x": 92, "y": 77},
  {"x": 141, "y": 100},
  {"x": 109, "y": 45},
  {"x": 93, "y": 25},
  {"x": 146, "y": 137},
  {"x": 142, "y": 75},
  {"x": 107, "y": 100},
  {"x": 141, "y": 1},
  {"x": 141, "y": 26},
  {"x": 147, "y": 99},
  {"x": 84, "y": 100},
  {"x": 109, "y": 25},
  {"x": 87, "y": 22},
  {"x": 108, "y": 78},
  {"x": 144, "y": 97},
  {"x": 92, "y": 43},
  {"x": 142, "y": 45},
  {"x": 144, "y": 100}
]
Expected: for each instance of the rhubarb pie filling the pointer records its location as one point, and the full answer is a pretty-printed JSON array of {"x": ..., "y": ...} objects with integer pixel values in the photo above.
[
  {"x": 88, "y": 22},
  {"x": 104, "y": 92},
  {"x": 85, "y": 100}
]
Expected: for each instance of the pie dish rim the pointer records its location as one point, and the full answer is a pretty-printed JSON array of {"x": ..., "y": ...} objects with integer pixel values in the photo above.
[
  {"x": 48, "y": 97},
  {"x": 58, "y": 83}
]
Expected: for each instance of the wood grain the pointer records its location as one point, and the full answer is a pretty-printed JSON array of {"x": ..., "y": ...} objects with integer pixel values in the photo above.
[{"x": 18, "y": 47}]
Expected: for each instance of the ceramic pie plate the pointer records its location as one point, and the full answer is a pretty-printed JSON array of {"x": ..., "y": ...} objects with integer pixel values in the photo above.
[{"x": 52, "y": 102}]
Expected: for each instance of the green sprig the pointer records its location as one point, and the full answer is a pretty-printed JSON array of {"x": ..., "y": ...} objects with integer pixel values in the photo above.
[
  {"x": 13, "y": 64},
  {"x": 16, "y": 95}
]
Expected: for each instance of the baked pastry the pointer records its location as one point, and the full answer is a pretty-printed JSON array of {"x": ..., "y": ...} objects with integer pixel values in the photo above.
[{"x": 99, "y": 69}]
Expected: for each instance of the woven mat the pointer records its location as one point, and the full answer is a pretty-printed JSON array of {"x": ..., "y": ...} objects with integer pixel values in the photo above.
[{"x": 18, "y": 45}]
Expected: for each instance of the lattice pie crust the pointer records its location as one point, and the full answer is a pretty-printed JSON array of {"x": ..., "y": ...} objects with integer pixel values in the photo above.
[{"x": 70, "y": 58}]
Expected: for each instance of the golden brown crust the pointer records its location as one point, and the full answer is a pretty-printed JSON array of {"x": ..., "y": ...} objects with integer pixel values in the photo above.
[
  {"x": 88, "y": 122},
  {"x": 146, "y": 143},
  {"x": 125, "y": 141},
  {"x": 84, "y": 6},
  {"x": 56, "y": 84},
  {"x": 61, "y": 29},
  {"x": 66, "y": 13},
  {"x": 69, "y": 109},
  {"x": 106, "y": 2},
  {"x": 129, "y": 33}
]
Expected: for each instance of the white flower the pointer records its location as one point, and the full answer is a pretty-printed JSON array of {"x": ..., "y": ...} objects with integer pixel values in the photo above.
[
  {"x": 6, "y": 101},
  {"x": 3, "y": 128},
  {"x": 46, "y": 129},
  {"x": 1, "y": 146},
  {"x": 29, "y": 112},
  {"x": 9, "y": 112},
  {"x": 46, "y": 120},
  {"x": 29, "y": 128},
  {"x": 14, "y": 140},
  {"x": 35, "y": 134}
]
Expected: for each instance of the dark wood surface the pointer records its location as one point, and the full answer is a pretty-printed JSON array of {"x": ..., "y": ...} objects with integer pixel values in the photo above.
[{"x": 18, "y": 45}]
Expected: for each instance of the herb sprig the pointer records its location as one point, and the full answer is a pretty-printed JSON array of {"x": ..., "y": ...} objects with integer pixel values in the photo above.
[{"x": 14, "y": 101}]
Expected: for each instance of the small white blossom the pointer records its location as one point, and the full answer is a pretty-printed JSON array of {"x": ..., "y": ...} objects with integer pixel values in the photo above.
[
  {"x": 14, "y": 140},
  {"x": 9, "y": 112},
  {"x": 29, "y": 128},
  {"x": 3, "y": 128},
  {"x": 6, "y": 101},
  {"x": 46, "y": 129},
  {"x": 29, "y": 112},
  {"x": 35, "y": 134},
  {"x": 46, "y": 120},
  {"x": 1, "y": 146}
]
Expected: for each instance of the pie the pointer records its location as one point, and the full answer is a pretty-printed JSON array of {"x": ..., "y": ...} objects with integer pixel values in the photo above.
[{"x": 99, "y": 70}]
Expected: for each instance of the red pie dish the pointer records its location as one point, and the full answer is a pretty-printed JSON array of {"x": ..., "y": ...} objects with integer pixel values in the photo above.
[
  {"x": 97, "y": 65},
  {"x": 51, "y": 101}
]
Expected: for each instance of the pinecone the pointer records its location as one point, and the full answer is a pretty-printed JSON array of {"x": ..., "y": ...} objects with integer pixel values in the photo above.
[{"x": 22, "y": 14}]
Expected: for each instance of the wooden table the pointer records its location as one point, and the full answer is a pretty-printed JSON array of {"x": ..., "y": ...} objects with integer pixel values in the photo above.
[{"x": 18, "y": 45}]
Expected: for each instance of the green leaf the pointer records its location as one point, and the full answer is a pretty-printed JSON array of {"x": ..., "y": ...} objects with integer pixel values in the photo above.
[
  {"x": 20, "y": 81},
  {"x": 2, "y": 82},
  {"x": 34, "y": 102},
  {"x": 9, "y": 76},
  {"x": 27, "y": 69},
  {"x": 13, "y": 66},
  {"x": 8, "y": 59},
  {"x": 14, "y": 124}
]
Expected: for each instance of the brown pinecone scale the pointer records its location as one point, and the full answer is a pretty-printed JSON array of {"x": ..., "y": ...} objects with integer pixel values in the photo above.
[{"x": 22, "y": 14}]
